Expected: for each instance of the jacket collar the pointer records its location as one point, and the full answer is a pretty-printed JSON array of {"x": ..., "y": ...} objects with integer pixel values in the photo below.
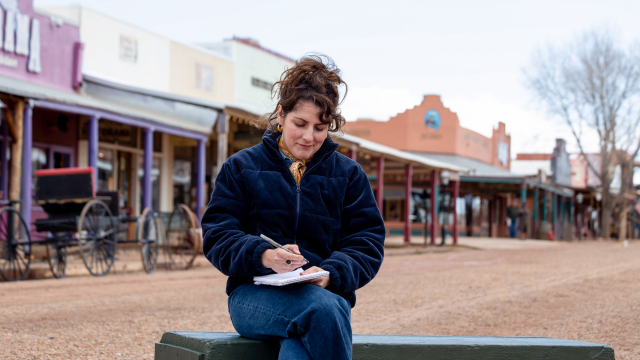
[{"x": 270, "y": 140}]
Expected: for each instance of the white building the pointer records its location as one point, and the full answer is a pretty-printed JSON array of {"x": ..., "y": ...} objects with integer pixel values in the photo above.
[
  {"x": 120, "y": 52},
  {"x": 180, "y": 85},
  {"x": 256, "y": 69}
]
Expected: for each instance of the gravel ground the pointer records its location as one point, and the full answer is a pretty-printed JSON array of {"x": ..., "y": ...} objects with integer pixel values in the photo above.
[{"x": 586, "y": 291}]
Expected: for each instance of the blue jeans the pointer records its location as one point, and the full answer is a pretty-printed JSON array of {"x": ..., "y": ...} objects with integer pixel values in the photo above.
[
  {"x": 310, "y": 322},
  {"x": 513, "y": 228}
]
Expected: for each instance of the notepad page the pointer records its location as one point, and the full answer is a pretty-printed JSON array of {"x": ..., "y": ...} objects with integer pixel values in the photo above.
[
  {"x": 278, "y": 277},
  {"x": 289, "y": 278}
]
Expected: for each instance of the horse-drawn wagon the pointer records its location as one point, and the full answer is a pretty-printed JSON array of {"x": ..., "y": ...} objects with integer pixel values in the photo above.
[
  {"x": 90, "y": 224},
  {"x": 79, "y": 219}
]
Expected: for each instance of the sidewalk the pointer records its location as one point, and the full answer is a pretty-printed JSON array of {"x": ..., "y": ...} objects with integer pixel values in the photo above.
[
  {"x": 127, "y": 261},
  {"x": 395, "y": 244}
]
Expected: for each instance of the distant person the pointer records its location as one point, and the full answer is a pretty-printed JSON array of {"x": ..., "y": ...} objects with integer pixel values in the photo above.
[
  {"x": 513, "y": 212},
  {"x": 468, "y": 208},
  {"x": 296, "y": 189},
  {"x": 523, "y": 217}
]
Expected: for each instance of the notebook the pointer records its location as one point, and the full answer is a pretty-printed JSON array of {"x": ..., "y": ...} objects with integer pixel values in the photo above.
[{"x": 287, "y": 278}]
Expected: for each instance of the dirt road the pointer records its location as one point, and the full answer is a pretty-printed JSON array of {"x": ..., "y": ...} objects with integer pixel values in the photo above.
[{"x": 582, "y": 291}]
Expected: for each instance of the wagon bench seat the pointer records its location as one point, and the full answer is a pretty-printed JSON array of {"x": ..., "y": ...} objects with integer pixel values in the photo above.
[{"x": 193, "y": 345}]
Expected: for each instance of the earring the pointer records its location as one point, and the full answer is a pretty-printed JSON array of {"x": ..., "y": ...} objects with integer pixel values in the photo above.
[{"x": 279, "y": 127}]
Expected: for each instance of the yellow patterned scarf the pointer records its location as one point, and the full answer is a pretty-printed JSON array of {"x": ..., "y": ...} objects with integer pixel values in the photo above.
[{"x": 298, "y": 167}]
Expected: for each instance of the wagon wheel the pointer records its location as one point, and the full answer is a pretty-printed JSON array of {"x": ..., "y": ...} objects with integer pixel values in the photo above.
[
  {"x": 149, "y": 237},
  {"x": 97, "y": 237},
  {"x": 57, "y": 257},
  {"x": 183, "y": 240},
  {"x": 15, "y": 245}
]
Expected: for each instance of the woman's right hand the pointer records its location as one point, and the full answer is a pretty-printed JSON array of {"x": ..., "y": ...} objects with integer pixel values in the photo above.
[{"x": 275, "y": 259}]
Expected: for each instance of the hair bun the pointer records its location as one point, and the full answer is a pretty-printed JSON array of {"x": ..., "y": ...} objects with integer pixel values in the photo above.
[{"x": 314, "y": 78}]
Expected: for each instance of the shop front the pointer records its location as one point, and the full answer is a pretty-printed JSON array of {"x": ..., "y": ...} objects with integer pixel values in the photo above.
[
  {"x": 39, "y": 52},
  {"x": 150, "y": 147},
  {"x": 52, "y": 117},
  {"x": 407, "y": 189}
]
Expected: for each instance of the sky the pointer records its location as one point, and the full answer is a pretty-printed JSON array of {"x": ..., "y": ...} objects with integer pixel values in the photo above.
[{"x": 392, "y": 53}]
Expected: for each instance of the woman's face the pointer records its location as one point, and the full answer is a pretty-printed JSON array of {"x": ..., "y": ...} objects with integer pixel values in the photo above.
[{"x": 302, "y": 131}]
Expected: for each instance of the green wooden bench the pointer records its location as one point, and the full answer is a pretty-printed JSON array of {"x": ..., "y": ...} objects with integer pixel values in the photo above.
[{"x": 194, "y": 345}]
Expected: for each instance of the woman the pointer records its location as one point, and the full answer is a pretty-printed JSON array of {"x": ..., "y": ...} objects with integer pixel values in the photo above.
[{"x": 296, "y": 189}]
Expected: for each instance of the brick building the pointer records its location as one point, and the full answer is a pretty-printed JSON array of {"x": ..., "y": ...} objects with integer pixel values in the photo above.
[{"x": 434, "y": 130}]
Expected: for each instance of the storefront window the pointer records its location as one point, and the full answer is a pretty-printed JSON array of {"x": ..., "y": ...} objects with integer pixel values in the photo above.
[
  {"x": 476, "y": 208},
  {"x": 184, "y": 178},
  {"x": 393, "y": 209},
  {"x": 181, "y": 182},
  {"x": 39, "y": 160},
  {"x": 116, "y": 173},
  {"x": 155, "y": 182},
  {"x": 461, "y": 210},
  {"x": 61, "y": 160},
  {"x": 125, "y": 171},
  {"x": 106, "y": 173}
]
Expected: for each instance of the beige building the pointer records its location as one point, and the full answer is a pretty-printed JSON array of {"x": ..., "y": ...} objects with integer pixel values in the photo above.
[
  {"x": 255, "y": 70},
  {"x": 199, "y": 73},
  {"x": 179, "y": 85}
]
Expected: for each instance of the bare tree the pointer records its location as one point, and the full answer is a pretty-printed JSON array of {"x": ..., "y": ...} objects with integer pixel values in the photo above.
[{"x": 593, "y": 84}]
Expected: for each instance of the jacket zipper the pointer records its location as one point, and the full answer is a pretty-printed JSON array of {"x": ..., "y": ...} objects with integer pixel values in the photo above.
[
  {"x": 298, "y": 190},
  {"x": 295, "y": 233}
]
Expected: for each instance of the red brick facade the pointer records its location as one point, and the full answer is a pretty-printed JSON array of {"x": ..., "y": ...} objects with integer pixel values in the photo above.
[{"x": 408, "y": 131}]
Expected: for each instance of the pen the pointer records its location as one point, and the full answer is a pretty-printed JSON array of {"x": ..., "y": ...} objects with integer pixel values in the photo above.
[{"x": 275, "y": 244}]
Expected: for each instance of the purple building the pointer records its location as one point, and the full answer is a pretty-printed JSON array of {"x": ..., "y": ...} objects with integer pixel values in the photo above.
[{"x": 53, "y": 118}]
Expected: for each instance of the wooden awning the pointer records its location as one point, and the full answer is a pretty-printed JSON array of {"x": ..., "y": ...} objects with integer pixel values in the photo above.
[{"x": 240, "y": 115}]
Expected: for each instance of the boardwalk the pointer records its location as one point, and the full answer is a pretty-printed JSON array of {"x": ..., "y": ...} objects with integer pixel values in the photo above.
[{"x": 585, "y": 291}]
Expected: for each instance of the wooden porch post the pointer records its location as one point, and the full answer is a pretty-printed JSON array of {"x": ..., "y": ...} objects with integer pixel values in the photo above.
[
  {"x": 554, "y": 201},
  {"x": 456, "y": 193},
  {"x": 534, "y": 228},
  {"x": 544, "y": 206},
  {"x": 380, "y": 183},
  {"x": 201, "y": 160},
  {"x": 16, "y": 152},
  {"x": 434, "y": 209},
  {"x": 492, "y": 215},
  {"x": 408, "y": 171},
  {"x": 4, "y": 173},
  {"x": 223, "y": 142},
  {"x": 353, "y": 153}
]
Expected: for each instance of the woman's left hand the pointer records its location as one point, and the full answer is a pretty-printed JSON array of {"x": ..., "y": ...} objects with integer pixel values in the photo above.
[{"x": 322, "y": 282}]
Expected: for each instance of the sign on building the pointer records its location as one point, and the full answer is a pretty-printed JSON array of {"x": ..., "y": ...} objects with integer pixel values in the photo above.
[
  {"x": 432, "y": 119},
  {"x": 19, "y": 36}
]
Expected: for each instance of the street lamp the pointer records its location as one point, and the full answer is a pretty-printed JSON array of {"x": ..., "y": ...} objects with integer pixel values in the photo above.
[
  {"x": 579, "y": 199},
  {"x": 446, "y": 199}
]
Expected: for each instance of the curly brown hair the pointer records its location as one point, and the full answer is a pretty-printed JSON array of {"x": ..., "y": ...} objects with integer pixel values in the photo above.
[{"x": 313, "y": 78}]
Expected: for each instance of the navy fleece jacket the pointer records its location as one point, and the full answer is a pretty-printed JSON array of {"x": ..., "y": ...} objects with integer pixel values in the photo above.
[{"x": 331, "y": 215}]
